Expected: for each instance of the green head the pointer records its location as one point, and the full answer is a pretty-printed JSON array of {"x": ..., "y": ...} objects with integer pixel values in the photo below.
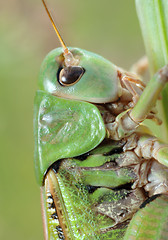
[
  {"x": 78, "y": 74},
  {"x": 91, "y": 78}
]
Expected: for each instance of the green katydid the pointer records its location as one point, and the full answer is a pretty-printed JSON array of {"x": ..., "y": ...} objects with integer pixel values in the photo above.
[{"x": 96, "y": 164}]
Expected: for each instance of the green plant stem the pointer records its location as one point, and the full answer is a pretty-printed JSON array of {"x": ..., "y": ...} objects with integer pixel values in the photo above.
[{"x": 153, "y": 18}]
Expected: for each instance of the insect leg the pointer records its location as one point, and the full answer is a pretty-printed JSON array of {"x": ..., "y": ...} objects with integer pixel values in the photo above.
[
  {"x": 150, "y": 147},
  {"x": 153, "y": 162},
  {"x": 150, "y": 95},
  {"x": 134, "y": 86},
  {"x": 55, "y": 220},
  {"x": 128, "y": 121}
]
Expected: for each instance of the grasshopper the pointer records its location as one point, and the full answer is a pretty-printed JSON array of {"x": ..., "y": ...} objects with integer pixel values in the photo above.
[{"x": 97, "y": 165}]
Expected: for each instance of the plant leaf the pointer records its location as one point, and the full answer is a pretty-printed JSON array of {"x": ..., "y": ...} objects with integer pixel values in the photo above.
[{"x": 153, "y": 20}]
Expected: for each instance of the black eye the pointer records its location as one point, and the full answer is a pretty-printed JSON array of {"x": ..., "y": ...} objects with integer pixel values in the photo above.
[{"x": 70, "y": 75}]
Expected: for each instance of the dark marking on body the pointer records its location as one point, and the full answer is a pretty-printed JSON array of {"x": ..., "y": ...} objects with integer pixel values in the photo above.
[
  {"x": 54, "y": 216},
  {"x": 51, "y": 205},
  {"x": 127, "y": 186},
  {"x": 55, "y": 166},
  {"x": 150, "y": 199},
  {"x": 116, "y": 150},
  {"x": 91, "y": 189},
  {"x": 83, "y": 156},
  {"x": 60, "y": 232}
]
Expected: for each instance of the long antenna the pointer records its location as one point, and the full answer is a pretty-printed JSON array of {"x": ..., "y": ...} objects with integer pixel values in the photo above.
[{"x": 66, "y": 51}]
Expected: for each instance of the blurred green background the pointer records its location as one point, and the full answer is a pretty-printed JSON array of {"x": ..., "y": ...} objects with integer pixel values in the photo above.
[{"x": 108, "y": 27}]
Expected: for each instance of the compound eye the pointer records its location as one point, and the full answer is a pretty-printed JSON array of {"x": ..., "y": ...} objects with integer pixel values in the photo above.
[{"x": 70, "y": 75}]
